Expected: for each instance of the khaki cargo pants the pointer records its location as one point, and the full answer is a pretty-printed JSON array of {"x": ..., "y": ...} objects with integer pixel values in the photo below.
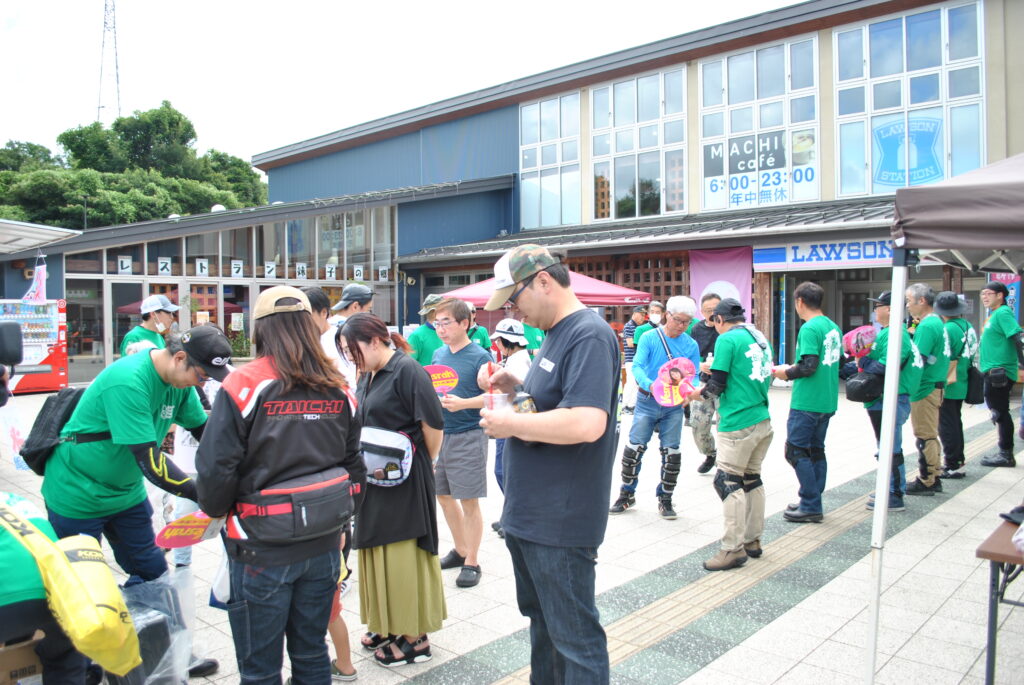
[{"x": 740, "y": 453}]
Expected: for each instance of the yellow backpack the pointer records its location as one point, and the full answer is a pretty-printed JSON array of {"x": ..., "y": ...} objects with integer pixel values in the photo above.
[{"x": 82, "y": 594}]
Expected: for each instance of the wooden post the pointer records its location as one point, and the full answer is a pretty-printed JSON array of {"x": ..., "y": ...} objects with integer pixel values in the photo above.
[{"x": 762, "y": 314}]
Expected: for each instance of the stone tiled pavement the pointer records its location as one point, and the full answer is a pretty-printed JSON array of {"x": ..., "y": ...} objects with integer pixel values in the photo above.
[{"x": 798, "y": 614}]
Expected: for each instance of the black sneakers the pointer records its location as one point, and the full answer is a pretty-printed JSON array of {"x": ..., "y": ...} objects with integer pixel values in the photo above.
[
  {"x": 917, "y": 487},
  {"x": 452, "y": 560},
  {"x": 665, "y": 509},
  {"x": 957, "y": 473},
  {"x": 706, "y": 465},
  {"x": 1004, "y": 458},
  {"x": 625, "y": 501}
]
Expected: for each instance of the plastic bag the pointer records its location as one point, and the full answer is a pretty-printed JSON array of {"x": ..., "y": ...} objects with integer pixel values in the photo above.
[
  {"x": 220, "y": 588},
  {"x": 164, "y": 614}
]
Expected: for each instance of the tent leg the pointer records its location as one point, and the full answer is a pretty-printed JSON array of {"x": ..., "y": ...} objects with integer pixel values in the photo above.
[{"x": 900, "y": 260}]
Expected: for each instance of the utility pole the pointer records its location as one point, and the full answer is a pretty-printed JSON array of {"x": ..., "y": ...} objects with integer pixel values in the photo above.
[{"x": 109, "y": 27}]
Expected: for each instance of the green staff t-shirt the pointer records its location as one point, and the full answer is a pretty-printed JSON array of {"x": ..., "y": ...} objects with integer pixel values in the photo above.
[
  {"x": 481, "y": 337},
  {"x": 18, "y": 567},
  {"x": 997, "y": 350},
  {"x": 818, "y": 392},
  {"x": 534, "y": 337},
  {"x": 141, "y": 334},
  {"x": 745, "y": 399},
  {"x": 424, "y": 343},
  {"x": 132, "y": 402},
  {"x": 963, "y": 344},
  {"x": 911, "y": 362},
  {"x": 933, "y": 344}
]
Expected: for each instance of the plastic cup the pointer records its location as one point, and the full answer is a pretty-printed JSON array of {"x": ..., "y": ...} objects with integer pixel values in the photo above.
[{"x": 496, "y": 400}]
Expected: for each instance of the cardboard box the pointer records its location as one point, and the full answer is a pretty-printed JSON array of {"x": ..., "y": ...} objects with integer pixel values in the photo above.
[{"x": 19, "y": 664}]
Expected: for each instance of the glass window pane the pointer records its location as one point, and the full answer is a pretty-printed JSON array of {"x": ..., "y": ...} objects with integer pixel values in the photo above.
[
  {"x": 741, "y": 120},
  {"x": 236, "y": 245},
  {"x": 549, "y": 154},
  {"x": 714, "y": 124},
  {"x": 602, "y": 191},
  {"x": 771, "y": 114},
  {"x": 675, "y": 180},
  {"x": 332, "y": 244},
  {"x": 625, "y": 187},
  {"x": 648, "y": 98},
  {"x": 886, "y": 41},
  {"x": 648, "y": 136},
  {"x": 530, "y": 200},
  {"x": 963, "y": 32},
  {"x": 571, "y": 194},
  {"x": 570, "y": 151},
  {"x": 164, "y": 257},
  {"x": 674, "y": 92},
  {"x": 801, "y": 109},
  {"x": 924, "y": 88},
  {"x": 529, "y": 124},
  {"x": 624, "y": 140},
  {"x": 888, "y": 153},
  {"x": 300, "y": 246},
  {"x": 625, "y": 103},
  {"x": 851, "y": 158},
  {"x": 357, "y": 229},
  {"x": 602, "y": 145},
  {"x": 851, "y": 55},
  {"x": 924, "y": 44},
  {"x": 601, "y": 108},
  {"x": 529, "y": 157},
  {"x": 127, "y": 259},
  {"x": 383, "y": 245},
  {"x": 649, "y": 174},
  {"x": 549, "y": 119},
  {"x": 270, "y": 249},
  {"x": 711, "y": 73},
  {"x": 550, "y": 207},
  {"x": 926, "y": 148},
  {"x": 887, "y": 95},
  {"x": 965, "y": 139},
  {"x": 570, "y": 115},
  {"x": 801, "y": 65},
  {"x": 84, "y": 262},
  {"x": 675, "y": 131},
  {"x": 851, "y": 100},
  {"x": 771, "y": 71},
  {"x": 964, "y": 82},
  {"x": 202, "y": 246},
  {"x": 741, "y": 78}
]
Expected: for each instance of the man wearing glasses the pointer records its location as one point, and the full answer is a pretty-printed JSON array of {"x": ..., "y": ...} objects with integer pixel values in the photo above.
[
  {"x": 658, "y": 346},
  {"x": 558, "y": 465}
]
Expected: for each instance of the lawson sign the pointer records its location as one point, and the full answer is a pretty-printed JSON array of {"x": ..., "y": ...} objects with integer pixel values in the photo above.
[{"x": 825, "y": 254}]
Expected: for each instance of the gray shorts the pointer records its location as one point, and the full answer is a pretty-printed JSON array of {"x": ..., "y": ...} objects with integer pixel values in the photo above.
[{"x": 461, "y": 468}]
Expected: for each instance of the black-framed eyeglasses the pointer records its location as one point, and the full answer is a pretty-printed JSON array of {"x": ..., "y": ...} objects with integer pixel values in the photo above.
[{"x": 526, "y": 284}]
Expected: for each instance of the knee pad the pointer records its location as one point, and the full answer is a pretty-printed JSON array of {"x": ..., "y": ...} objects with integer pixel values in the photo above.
[
  {"x": 920, "y": 444},
  {"x": 631, "y": 456},
  {"x": 794, "y": 454},
  {"x": 752, "y": 481},
  {"x": 670, "y": 467},
  {"x": 897, "y": 459},
  {"x": 726, "y": 484},
  {"x": 818, "y": 453}
]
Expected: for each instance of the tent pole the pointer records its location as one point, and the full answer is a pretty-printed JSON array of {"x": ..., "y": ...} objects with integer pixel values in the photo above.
[{"x": 900, "y": 260}]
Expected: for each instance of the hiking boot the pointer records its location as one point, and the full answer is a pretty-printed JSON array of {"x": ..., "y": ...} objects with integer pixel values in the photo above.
[
  {"x": 753, "y": 548},
  {"x": 917, "y": 487},
  {"x": 801, "y": 516},
  {"x": 895, "y": 503},
  {"x": 625, "y": 501},
  {"x": 723, "y": 561},
  {"x": 955, "y": 473},
  {"x": 1004, "y": 458},
  {"x": 706, "y": 465},
  {"x": 665, "y": 509}
]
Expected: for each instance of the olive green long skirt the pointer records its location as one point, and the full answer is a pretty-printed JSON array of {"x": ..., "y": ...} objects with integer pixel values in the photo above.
[{"x": 400, "y": 591}]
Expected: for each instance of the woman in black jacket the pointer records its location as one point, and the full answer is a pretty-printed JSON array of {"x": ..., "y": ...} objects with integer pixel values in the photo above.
[{"x": 401, "y": 598}]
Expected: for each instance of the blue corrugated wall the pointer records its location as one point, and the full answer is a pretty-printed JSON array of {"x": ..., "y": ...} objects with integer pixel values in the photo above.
[
  {"x": 15, "y": 285},
  {"x": 453, "y": 220},
  {"x": 480, "y": 146}
]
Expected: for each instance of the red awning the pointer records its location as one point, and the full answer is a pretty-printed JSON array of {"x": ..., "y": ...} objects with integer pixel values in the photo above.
[{"x": 591, "y": 291}]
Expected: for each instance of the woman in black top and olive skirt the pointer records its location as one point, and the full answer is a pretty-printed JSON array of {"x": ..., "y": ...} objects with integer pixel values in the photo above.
[{"x": 401, "y": 598}]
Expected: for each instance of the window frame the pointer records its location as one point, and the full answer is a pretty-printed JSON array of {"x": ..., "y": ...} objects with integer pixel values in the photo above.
[{"x": 563, "y": 166}]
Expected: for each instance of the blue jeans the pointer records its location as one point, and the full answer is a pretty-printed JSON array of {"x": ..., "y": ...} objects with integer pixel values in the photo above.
[
  {"x": 499, "y": 464},
  {"x": 898, "y": 482},
  {"x": 130, "y": 533},
  {"x": 271, "y": 603},
  {"x": 649, "y": 415},
  {"x": 806, "y": 430},
  {"x": 555, "y": 590}
]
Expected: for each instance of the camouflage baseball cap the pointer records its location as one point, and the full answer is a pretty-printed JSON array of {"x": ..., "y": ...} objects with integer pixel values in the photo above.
[
  {"x": 430, "y": 304},
  {"x": 516, "y": 265}
]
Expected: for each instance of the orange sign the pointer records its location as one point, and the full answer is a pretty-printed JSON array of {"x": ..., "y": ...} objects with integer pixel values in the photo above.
[{"x": 443, "y": 377}]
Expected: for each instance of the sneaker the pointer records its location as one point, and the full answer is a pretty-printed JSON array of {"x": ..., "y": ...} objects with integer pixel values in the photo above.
[
  {"x": 895, "y": 503},
  {"x": 953, "y": 473},
  {"x": 627, "y": 410},
  {"x": 723, "y": 561},
  {"x": 343, "y": 587},
  {"x": 469, "y": 576},
  {"x": 452, "y": 560},
  {"x": 792, "y": 506},
  {"x": 1004, "y": 458},
  {"x": 666, "y": 510},
  {"x": 202, "y": 667},
  {"x": 496, "y": 526},
  {"x": 917, "y": 487},
  {"x": 625, "y": 501},
  {"x": 340, "y": 677},
  {"x": 706, "y": 465},
  {"x": 753, "y": 548},
  {"x": 801, "y": 516}
]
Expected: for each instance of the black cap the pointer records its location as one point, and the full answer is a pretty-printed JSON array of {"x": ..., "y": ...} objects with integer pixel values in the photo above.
[
  {"x": 948, "y": 303},
  {"x": 729, "y": 308},
  {"x": 997, "y": 287},
  {"x": 208, "y": 349},
  {"x": 639, "y": 310},
  {"x": 353, "y": 292},
  {"x": 883, "y": 300}
]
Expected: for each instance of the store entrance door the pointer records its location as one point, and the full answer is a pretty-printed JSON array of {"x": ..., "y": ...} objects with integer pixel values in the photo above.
[{"x": 118, "y": 300}]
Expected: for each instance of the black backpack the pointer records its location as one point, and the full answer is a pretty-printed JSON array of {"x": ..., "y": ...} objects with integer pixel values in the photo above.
[
  {"x": 45, "y": 434},
  {"x": 864, "y": 387}
]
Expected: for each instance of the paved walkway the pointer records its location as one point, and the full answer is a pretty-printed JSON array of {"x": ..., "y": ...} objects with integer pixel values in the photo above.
[{"x": 798, "y": 614}]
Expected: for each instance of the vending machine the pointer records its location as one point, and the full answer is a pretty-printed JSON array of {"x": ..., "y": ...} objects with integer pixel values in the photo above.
[{"x": 44, "y": 333}]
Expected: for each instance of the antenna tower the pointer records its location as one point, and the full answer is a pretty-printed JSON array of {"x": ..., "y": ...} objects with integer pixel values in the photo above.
[{"x": 109, "y": 29}]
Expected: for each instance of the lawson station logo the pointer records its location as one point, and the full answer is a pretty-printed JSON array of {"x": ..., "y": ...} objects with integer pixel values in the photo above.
[{"x": 832, "y": 254}]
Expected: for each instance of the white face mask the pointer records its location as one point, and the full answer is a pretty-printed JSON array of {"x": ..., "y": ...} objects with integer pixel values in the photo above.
[
  {"x": 655, "y": 318},
  {"x": 160, "y": 328}
]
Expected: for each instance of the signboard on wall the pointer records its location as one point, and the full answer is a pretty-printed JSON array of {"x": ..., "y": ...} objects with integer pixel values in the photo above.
[
  {"x": 237, "y": 268},
  {"x": 300, "y": 271},
  {"x": 357, "y": 272},
  {"x": 892, "y": 139},
  {"x": 331, "y": 272},
  {"x": 163, "y": 266},
  {"x": 830, "y": 254},
  {"x": 759, "y": 170},
  {"x": 124, "y": 264},
  {"x": 270, "y": 269},
  {"x": 202, "y": 267}
]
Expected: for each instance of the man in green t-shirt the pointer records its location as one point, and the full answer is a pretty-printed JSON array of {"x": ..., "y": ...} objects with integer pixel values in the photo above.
[
  {"x": 1002, "y": 351},
  {"x": 424, "y": 340},
  {"x": 534, "y": 338},
  {"x": 963, "y": 346},
  {"x": 157, "y": 317},
  {"x": 933, "y": 343},
  {"x": 815, "y": 399},
  {"x": 478, "y": 333},
  {"x": 741, "y": 374}
]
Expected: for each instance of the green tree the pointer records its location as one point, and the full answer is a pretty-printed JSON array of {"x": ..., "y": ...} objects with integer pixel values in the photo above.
[
  {"x": 160, "y": 139},
  {"x": 19, "y": 156},
  {"x": 94, "y": 147}
]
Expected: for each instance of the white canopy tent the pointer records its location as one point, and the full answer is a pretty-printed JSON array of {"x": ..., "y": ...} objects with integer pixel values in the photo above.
[{"x": 16, "y": 236}]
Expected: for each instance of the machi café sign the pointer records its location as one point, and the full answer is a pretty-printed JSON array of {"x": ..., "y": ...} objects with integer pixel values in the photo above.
[{"x": 824, "y": 254}]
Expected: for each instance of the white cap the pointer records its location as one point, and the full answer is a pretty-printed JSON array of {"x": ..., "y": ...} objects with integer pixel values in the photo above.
[
  {"x": 511, "y": 330},
  {"x": 157, "y": 303}
]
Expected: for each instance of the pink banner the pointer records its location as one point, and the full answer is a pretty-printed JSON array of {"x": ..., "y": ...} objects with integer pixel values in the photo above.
[{"x": 726, "y": 272}]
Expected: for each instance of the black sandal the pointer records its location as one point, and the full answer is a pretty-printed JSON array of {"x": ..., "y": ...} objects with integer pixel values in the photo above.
[
  {"x": 376, "y": 641},
  {"x": 410, "y": 653}
]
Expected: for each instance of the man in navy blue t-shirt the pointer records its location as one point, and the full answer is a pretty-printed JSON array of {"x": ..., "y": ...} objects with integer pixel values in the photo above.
[
  {"x": 558, "y": 465},
  {"x": 460, "y": 475}
]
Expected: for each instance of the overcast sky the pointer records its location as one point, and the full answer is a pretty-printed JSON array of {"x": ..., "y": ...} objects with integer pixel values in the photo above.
[{"x": 259, "y": 74}]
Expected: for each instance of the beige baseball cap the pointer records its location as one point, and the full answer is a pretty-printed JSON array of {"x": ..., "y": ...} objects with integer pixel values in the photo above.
[{"x": 267, "y": 302}]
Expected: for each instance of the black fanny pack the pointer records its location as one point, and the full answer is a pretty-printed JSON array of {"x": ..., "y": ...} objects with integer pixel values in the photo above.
[
  {"x": 294, "y": 510},
  {"x": 864, "y": 387},
  {"x": 997, "y": 377}
]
